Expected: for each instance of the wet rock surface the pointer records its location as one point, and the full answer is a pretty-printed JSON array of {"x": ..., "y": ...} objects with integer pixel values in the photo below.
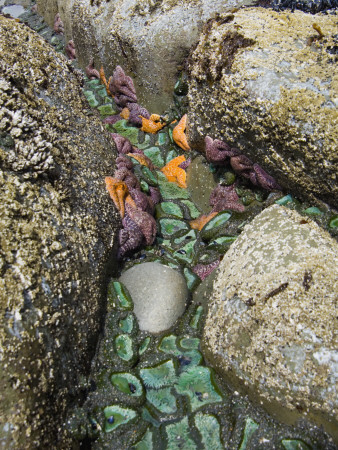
[
  {"x": 271, "y": 325},
  {"x": 263, "y": 82},
  {"x": 159, "y": 293},
  {"x": 57, "y": 234},
  {"x": 149, "y": 39}
]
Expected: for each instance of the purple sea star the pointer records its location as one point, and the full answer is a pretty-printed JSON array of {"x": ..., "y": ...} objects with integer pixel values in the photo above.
[
  {"x": 130, "y": 237},
  {"x": 123, "y": 144},
  {"x": 204, "y": 270},
  {"x": 225, "y": 197},
  {"x": 58, "y": 25},
  {"x": 128, "y": 177},
  {"x": 135, "y": 112},
  {"x": 91, "y": 72},
  {"x": 218, "y": 152},
  {"x": 145, "y": 222},
  {"x": 141, "y": 200},
  {"x": 70, "y": 50},
  {"x": 123, "y": 161},
  {"x": 122, "y": 87},
  {"x": 185, "y": 164},
  {"x": 155, "y": 194}
]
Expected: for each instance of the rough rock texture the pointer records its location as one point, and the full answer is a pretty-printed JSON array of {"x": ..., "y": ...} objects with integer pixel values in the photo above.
[
  {"x": 57, "y": 228},
  {"x": 159, "y": 294},
  {"x": 272, "y": 321},
  {"x": 266, "y": 82},
  {"x": 149, "y": 39}
]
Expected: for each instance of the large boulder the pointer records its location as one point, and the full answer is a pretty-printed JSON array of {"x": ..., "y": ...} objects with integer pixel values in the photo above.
[
  {"x": 149, "y": 39},
  {"x": 265, "y": 82},
  {"x": 57, "y": 234},
  {"x": 271, "y": 326}
]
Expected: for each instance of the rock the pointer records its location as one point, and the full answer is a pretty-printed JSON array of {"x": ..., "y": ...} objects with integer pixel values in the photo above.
[
  {"x": 271, "y": 324},
  {"x": 159, "y": 294},
  {"x": 149, "y": 39},
  {"x": 262, "y": 81},
  {"x": 57, "y": 234}
]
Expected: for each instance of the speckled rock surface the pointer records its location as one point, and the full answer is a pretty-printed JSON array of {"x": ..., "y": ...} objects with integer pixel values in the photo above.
[
  {"x": 272, "y": 321},
  {"x": 57, "y": 232},
  {"x": 149, "y": 39},
  {"x": 159, "y": 294},
  {"x": 266, "y": 83}
]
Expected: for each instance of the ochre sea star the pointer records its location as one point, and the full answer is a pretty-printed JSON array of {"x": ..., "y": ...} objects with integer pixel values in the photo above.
[
  {"x": 179, "y": 135},
  {"x": 175, "y": 173}
]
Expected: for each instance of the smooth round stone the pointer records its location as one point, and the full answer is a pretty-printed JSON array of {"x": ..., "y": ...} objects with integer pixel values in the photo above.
[{"x": 159, "y": 294}]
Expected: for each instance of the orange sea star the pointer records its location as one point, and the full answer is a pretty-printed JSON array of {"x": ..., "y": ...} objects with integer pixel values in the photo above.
[
  {"x": 104, "y": 80},
  {"x": 179, "y": 135},
  {"x": 142, "y": 159},
  {"x": 202, "y": 220},
  {"x": 175, "y": 173},
  {"x": 125, "y": 113},
  {"x": 153, "y": 124},
  {"x": 118, "y": 192}
]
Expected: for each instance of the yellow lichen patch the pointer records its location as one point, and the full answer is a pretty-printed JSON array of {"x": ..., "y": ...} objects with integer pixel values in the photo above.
[
  {"x": 174, "y": 173},
  {"x": 153, "y": 124},
  {"x": 179, "y": 135},
  {"x": 202, "y": 220},
  {"x": 118, "y": 192}
]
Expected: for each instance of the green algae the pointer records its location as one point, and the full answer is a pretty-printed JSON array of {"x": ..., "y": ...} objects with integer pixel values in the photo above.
[
  {"x": 155, "y": 155},
  {"x": 172, "y": 191},
  {"x": 250, "y": 427},
  {"x": 172, "y": 209},
  {"x": 209, "y": 429},
  {"x": 179, "y": 437},
  {"x": 193, "y": 211},
  {"x": 295, "y": 444},
  {"x": 124, "y": 347},
  {"x": 127, "y": 383},
  {"x": 127, "y": 324},
  {"x": 215, "y": 225},
  {"x": 118, "y": 416},
  {"x": 192, "y": 279},
  {"x": 106, "y": 110},
  {"x": 144, "y": 345},
  {"x": 186, "y": 254},
  {"x": 197, "y": 384},
  {"x": 162, "y": 399},
  {"x": 171, "y": 226},
  {"x": 146, "y": 442},
  {"x": 195, "y": 320},
  {"x": 162, "y": 139},
  {"x": 190, "y": 343},
  {"x": 161, "y": 375},
  {"x": 285, "y": 200},
  {"x": 119, "y": 296}
]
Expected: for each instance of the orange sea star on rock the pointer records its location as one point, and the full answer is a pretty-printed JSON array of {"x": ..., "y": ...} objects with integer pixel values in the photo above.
[
  {"x": 142, "y": 159},
  {"x": 104, "y": 80},
  {"x": 202, "y": 220},
  {"x": 175, "y": 173},
  {"x": 179, "y": 135},
  {"x": 118, "y": 192},
  {"x": 153, "y": 124}
]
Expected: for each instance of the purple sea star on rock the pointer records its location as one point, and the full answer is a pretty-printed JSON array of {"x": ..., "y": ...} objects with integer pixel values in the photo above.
[
  {"x": 135, "y": 112},
  {"x": 130, "y": 237},
  {"x": 145, "y": 222},
  {"x": 124, "y": 162},
  {"x": 204, "y": 270},
  {"x": 218, "y": 152},
  {"x": 141, "y": 200},
  {"x": 225, "y": 197},
  {"x": 265, "y": 180},
  {"x": 185, "y": 164},
  {"x": 155, "y": 194},
  {"x": 128, "y": 177},
  {"x": 70, "y": 50},
  {"x": 58, "y": 25},
  {"x": 122, "y": 88},
  {"x": 91, "y": 72},
  {"x": 123, "y": 144}
]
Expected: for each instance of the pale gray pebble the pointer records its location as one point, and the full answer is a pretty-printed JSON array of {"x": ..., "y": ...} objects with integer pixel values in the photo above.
[{"x": 159, "y": 294}]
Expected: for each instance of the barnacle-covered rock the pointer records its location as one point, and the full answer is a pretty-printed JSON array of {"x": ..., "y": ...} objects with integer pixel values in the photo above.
[
  {"x": 262, "y": 81},
  {"x": 271, "y": 324},
  {"x": 57, "y": 232}
]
